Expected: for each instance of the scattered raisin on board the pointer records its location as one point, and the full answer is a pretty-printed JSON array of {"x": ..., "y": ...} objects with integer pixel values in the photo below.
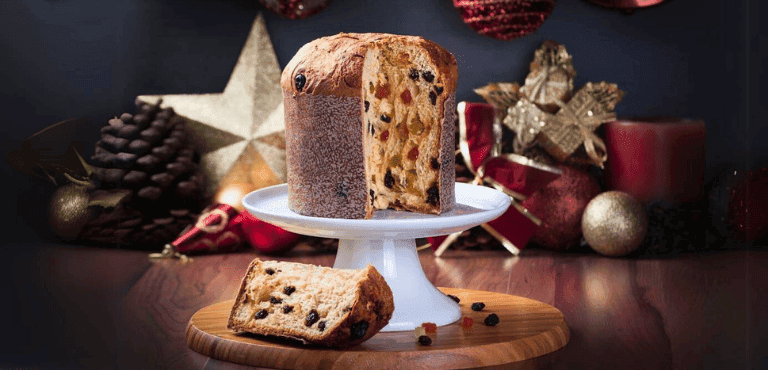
[
  {"x": 478, "y": 306},
  {"x": 491, "y": 320}
]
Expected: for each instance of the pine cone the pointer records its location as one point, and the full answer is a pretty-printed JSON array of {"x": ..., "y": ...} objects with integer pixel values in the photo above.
[{"x": 148, "y": 156}]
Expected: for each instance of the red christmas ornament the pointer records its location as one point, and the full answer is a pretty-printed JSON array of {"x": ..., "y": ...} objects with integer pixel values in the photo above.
[
  {"x": 560, "y": 206},
  {"x": 222, "y": 228},
  {"x": 295, "y": 9},
  {"x": 748, "y": 205},
  {"x": 265, "y": 237},
  {"x": 504, "y": 19},
  {"x": 216, "y": 230}
]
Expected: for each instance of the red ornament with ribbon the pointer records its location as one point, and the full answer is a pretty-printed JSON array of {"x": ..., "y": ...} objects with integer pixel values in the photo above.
[
  {"x": 513, "y": 174},
  {"x": 223, "y": 228}
]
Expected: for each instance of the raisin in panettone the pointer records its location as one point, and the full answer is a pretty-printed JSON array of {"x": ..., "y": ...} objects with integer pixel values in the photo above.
[{"x": 370, "y": 125}]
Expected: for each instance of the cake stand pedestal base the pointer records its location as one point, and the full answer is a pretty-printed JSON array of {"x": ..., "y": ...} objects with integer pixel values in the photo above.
[{"x": 416, "y": 300}]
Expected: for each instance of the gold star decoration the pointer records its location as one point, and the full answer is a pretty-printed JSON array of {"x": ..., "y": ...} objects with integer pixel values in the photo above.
[{"x": 240, "y": 133}]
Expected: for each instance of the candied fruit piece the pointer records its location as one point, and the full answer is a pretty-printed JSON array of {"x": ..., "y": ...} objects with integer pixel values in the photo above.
[
  {"x": 404, "y": 58},
  {"x": 402, "y": 128},
  {"x": 395, "y": 160},
  {"x": 467, "y": 322},
  {"x": 406, "y": 96},
  {"x": 429, "y": 327},
  {"x": 478, "y": 306},
  {"x": 412, "y": 180},
  {"x": 413, "y": 153},
  {"x": 491, "y": 320},
  {"x": 384, "y": 135},
  {"x": 382, "y": 91},
  {"x": 419, "y": 331},
  {"x": 425, "y": 340},
  {"x": 416, "y": 126}
]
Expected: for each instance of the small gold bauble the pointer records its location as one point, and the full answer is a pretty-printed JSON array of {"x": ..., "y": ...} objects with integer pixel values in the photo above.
[
  {"x": 68, "y": 211},
  {"x": 614, "y": 223}
]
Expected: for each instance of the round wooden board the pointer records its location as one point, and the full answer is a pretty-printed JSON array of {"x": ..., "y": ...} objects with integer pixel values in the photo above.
[{"x": 528, "y": 329}]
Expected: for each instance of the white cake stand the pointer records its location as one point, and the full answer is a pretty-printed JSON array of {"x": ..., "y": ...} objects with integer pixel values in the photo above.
[{"x": 387, "y": 242}]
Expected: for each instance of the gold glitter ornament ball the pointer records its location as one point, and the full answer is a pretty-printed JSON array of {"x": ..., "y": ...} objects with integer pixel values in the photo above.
[
  {"x": 614, "y": 223},
  {"x": 68, "y": 211}
]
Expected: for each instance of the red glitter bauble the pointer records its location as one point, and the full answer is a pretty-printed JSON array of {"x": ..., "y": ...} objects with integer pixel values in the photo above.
[
  {"x": 504, "y": 19},
  {"x": 560, "y": 206},
  {"x": 295, "y": 9}
]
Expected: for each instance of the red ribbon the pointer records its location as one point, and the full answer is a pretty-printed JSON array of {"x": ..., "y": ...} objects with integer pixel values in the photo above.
[{"x": 515, "y": 175}]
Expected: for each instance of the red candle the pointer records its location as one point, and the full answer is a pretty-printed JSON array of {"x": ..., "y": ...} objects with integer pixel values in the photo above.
[{"x": 657, "y": 158}]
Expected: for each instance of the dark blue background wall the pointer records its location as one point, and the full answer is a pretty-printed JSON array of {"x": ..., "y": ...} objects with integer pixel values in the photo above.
[{"x": 73, "y": 58}]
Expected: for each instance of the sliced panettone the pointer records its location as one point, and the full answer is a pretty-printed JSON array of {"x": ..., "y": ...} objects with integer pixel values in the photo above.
[{"x": 321, "y": 305}]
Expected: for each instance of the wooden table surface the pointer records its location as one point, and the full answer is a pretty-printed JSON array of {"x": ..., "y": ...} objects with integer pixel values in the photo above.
[{"x": 78, "y": 307}]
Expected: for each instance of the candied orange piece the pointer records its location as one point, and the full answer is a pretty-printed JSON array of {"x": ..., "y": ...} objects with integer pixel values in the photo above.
[
  {"x": 382, "y": 91},
  {"x": 413, "y": 153},
  {"x": 429, "y": 327},
  {"x": 467, "y": 322},
  {"x": 406, "y": 96},
  {"x": 419, "y": 331}
]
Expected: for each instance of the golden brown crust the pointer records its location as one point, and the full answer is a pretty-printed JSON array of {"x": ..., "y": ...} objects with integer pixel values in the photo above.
[
  {"x": 240, "y": 299},
  {"x": 333, "y": 65},
  {"x": 374, "y": 305}
]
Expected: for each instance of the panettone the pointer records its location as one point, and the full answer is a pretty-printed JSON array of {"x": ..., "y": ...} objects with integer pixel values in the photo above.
[{"x": 370, "y": 125}]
